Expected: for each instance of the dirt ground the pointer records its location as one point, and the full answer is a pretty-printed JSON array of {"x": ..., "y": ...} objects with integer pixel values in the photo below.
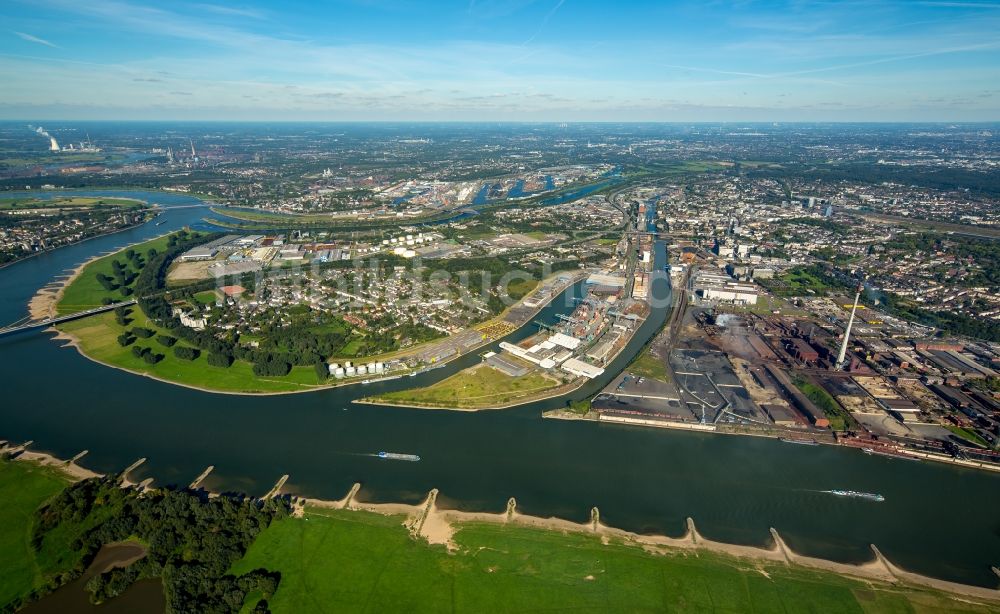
[{"x": 189, "y": 271}]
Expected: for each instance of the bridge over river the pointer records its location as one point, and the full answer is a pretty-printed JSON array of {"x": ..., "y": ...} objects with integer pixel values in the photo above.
[{"x": 20, "y": 325}]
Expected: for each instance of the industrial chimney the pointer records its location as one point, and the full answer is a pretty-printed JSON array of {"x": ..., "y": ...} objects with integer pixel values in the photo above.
[{"x": 847, "y": 332}]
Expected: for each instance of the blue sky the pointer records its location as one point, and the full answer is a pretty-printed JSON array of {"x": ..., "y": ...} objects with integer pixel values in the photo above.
[{"x": 520, "y": 60}]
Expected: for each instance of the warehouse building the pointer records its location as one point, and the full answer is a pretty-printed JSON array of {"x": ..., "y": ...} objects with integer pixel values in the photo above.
[{"x": 723, "y": 288}]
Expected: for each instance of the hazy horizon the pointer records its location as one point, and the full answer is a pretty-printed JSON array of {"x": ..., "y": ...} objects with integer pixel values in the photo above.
[{"x": 489, "y": 61}]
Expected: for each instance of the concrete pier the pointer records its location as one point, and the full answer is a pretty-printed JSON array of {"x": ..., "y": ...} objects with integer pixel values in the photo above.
[
  {"x": 692, "y": 531},
  {"x": 780, "y": 543},
  {"x": 201, "y": 477},
  {"x": 78, "y": 457},
  {"x": 418, "y": 526},
  {"x": 276, "y": 490},
  {"x": 346, "y": 502},
  {"x": 511, "y": 508},
  {"x": 130, "y": 469}
]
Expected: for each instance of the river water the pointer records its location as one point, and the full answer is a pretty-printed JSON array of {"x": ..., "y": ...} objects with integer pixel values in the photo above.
[{"x": 936, "y": 519}]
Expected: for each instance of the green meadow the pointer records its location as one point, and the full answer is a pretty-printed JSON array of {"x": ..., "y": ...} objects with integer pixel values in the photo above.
[
  {"x": 350, "y": 561},
  {"x": 24, "y": 487},
  {"x": 98, "y": 338},
  {"x": 85, "y": 292}
]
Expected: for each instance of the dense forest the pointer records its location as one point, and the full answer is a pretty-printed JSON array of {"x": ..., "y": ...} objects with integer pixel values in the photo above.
[{"x": 191, "y": 541}]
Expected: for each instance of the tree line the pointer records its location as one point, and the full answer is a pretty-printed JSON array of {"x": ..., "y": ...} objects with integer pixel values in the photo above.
[{"x": 191, "y": 541}]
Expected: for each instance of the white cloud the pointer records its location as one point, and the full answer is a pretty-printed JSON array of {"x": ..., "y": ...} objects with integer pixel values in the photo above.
[{"x": 35, "y": 39}]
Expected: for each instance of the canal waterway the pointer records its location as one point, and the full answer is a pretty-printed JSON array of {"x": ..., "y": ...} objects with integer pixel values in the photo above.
[{"x": 936, "y": 519}]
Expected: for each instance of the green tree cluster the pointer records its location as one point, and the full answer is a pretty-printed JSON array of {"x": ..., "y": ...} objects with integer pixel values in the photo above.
[{"x": 192, "y": 541}]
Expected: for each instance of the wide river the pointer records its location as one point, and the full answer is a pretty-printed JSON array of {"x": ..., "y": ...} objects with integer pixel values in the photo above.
[{"x": 936, "y": 519}]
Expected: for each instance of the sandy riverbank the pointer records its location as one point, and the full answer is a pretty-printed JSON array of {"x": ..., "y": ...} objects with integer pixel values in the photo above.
[
  {"x": 427, "y": 521},
  {"x": 73, "y": 471},
  {"x": 42, "y": 306}
]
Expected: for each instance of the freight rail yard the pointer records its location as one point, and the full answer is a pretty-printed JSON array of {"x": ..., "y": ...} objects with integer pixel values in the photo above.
[{"x": 740, "y": 360}]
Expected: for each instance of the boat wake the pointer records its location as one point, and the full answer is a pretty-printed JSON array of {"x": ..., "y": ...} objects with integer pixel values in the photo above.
[
  {"x": 397, "y": 456},
  {"x": 854, "y": 494}
]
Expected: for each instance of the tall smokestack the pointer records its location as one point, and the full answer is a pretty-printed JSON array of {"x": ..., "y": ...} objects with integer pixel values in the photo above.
[{"x": 842, "y": 355}]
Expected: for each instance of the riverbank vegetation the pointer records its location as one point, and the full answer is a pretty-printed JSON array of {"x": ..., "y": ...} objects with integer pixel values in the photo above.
[
  {"x": 98, "y": 338},
  {"x": 24, "y": 487},
  {"x": 191, "y": 541},
  {"x": 478, "y": 387},
  {"x": 352, "y": 560},
  {"x": 232, "y": 553},
  {"x": 118, "y": 276},
  {"x": 130, "y": 339}
]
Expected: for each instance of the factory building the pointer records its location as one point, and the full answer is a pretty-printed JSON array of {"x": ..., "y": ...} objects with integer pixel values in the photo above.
[
  {"x": 716, "y": 287},
  {"x": 603, "y": 279},
  {"x": 801, "y": 350},
  {"x": 577, "y": 367},
  {"x": 202, "y": 252}
]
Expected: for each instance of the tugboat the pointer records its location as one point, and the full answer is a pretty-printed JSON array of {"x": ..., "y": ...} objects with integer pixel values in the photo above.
[{"x": 398, "y": 456}]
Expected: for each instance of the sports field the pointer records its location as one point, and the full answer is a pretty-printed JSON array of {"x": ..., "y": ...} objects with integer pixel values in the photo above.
[{"x": 351, "y": 561}]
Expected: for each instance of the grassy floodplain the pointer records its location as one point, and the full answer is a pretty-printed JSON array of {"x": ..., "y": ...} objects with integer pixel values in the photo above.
[
  {"x": 97, "y": 338},
  {"x": 333, "y": 560},
  {"x": 244, "y": 219},
  {"x": 355, "y": 561},
  {"x": 85, "y": 292},
  {"x": 67, "y": 202},
  {"x": 24, "y": 487},
  {"x": 477, "y": 387}
]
